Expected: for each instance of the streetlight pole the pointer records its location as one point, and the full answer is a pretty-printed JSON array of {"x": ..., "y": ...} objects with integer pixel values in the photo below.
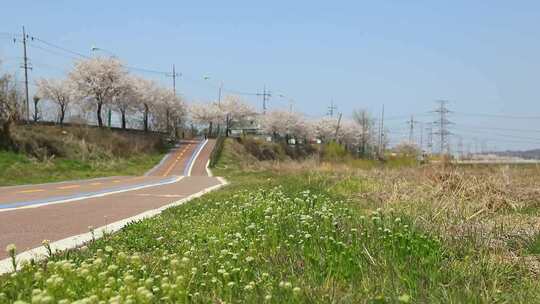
[
  {"x": 220, "y": 88},
  {"x": 95, "y": 49}
]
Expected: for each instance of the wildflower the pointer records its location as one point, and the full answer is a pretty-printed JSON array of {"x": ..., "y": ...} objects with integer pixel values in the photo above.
[
  {"x": 108, "y": 249},
  {"x": 11, "y": 249},
  {"x": 250, "y": 259},
  {"x": 296, "y": 290}
]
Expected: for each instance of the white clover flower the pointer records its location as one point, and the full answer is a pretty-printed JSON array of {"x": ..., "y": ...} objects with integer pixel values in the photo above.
[
  {"x": 250, "y": 259},
  {"x": 296, "y": 290},
  {"x": 11, "y": 249}
]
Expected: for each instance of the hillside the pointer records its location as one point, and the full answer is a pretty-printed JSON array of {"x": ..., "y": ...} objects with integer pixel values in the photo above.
[{"x": 42, "y": 153}]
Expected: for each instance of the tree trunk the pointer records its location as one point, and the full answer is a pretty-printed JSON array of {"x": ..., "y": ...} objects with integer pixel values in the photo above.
[
  {"x": 145, "y": 118},
  {"x": 167, "y": 128},
  {"x": 62, "y": 115},
  {"x": 100, "y": 120},
  {"x": 123, "y": 113},
  {"x": 36, "y": 110},
  {"x": 227, "y": 126},
  {"x": 5, "y": 135},
  {"x": 209, "y": 129}
]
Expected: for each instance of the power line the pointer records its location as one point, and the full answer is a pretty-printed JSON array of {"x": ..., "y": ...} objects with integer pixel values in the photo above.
[
  {"x": 59, "y": 47},
  {"x": 498, "y": 115},
  {"x": 71, "y": 54},
  {"x": 503, "y": 129}
]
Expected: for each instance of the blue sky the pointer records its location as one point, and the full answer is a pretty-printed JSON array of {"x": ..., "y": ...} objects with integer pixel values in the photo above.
[{"x": 482, "y": 56}]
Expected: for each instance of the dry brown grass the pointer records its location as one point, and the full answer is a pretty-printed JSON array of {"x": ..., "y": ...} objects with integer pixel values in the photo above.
[
  {"x": 495, "y": 208},
  {"x": 82, "y": 142}
]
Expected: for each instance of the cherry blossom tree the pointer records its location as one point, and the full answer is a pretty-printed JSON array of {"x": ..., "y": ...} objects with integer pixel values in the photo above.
[
  {"x": 10, "y": 108},
  {"x": 284, "y": 123},
  {"x": 325, "y": 128},
  {"x": 59, "y": 91},
  {"x": 169, "y": 110},
  {"x": 366, "y": 122},
  {"x": 349, "y": 134},
  {"x": 205, "y": 114},
  {"x": 98, "y": 80},
  {"x": 125, "y": 102},
  {"x": 147, "y": 98},
  {"x": 234, "y": 111}
]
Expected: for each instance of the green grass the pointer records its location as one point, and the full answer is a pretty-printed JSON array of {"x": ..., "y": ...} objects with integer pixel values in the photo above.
[
  {"x": 18, "y": 169},
  {"x": 272, "y": 237}
]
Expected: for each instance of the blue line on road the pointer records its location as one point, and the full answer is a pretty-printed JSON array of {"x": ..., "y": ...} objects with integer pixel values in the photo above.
[
  {"x": 192, "y": 158},
  {"x": 80, "y": 195}
]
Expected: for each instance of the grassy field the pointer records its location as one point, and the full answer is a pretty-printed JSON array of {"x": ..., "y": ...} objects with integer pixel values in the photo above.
[
  {"x": 18, "y": 169},
  {"x": 319, "y": 233},
  {"x": 48, "y": 154}
]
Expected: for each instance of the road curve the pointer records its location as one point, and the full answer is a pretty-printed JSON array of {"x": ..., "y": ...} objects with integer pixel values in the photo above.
[{"x": 99, "y": 202}]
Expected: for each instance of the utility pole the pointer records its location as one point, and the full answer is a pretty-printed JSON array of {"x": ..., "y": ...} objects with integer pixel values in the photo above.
[
  {"x": 291, "y": 102},
  {"x": 25, "y": 67},
  {"x": 460, "y": 147},
  {"x": 442, "y": 122},
  {"x": 219, "y": 92},
  {"x": 174, "y": 75},
  {"x": 364, "y": 133},
  {"x": 422, "y": 137},
  {"x": 174, "y": 79},
  {"x": 332, "y": 108},
  {"x": 337, "y": 127},
  {"x": 381, "y": 134}
]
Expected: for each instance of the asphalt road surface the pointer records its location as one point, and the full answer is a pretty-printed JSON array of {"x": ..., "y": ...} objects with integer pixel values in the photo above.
[{"x": 32, "y": 213}]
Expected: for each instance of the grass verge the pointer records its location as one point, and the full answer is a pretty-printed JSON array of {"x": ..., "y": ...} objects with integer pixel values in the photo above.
[
  {"x": 18, "y": 169},
  {"x": 276, "y": 236}
]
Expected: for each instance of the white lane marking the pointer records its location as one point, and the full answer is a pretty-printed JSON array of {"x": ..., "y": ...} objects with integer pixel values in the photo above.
[
  {"x": 40, "y": 253},
  {"x": 196, "y": 156},
  {"x": 208, "y": 171},
  {"x": 160, "y": 195},
  {"x": 92, "y": 195}
]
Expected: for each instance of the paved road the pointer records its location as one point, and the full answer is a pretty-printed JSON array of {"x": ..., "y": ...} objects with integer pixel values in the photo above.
[{"x": 33, "y": 213}]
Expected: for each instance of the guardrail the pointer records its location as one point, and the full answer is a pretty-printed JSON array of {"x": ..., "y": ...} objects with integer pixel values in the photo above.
[{"x": 218, "y": 148}]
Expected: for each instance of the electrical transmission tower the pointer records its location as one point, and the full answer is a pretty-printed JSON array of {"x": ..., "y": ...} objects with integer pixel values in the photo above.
[
  {"x": 429, "y": 131},
  {"x": 411, "y": 124},
  {"x": 332, "y": 108},
  {"x": 442, "y": 124},
  {"x": 265, "y": 96}
]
